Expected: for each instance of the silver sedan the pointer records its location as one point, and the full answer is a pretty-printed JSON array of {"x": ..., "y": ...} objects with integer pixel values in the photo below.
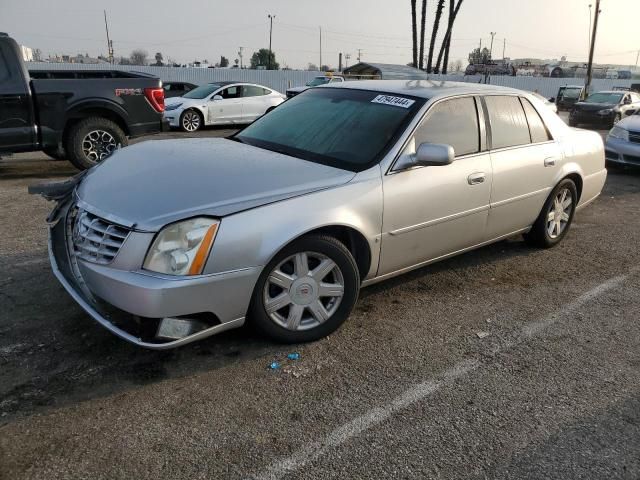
[{"x": 171, "y": 241}]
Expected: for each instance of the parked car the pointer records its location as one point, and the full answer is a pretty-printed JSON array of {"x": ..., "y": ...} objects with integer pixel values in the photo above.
[
  {"x": 623, "y": 142},
  {"x": 568, "y": 96},
  {"x": 82, "y": 116},
  {"x": 315, "y": 82},
  {"x": 177, "y": 89},
  {"x": 548, "y": 103},
  {"x": 342, "y": 187},
  {"x": 221, "y": 103},
  {"x": 604, "y": 108}
]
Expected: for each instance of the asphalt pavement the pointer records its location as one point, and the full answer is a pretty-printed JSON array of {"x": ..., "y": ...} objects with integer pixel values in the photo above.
[{"x": 508, "y": 362}]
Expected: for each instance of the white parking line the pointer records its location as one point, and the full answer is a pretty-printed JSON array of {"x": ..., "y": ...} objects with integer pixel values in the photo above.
[{"x": 419, "y": 392}]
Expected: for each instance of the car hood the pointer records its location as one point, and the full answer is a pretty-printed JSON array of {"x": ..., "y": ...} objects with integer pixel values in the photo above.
[
  {"x": 153, "y": 183},
  {"x": 593, "y": 107},
  {"x": 631, "y": 123}
]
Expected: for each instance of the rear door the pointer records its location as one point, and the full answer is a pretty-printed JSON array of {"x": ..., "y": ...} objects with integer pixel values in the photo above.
[
  {"x": 228, "y": 109},
  {"x": 255, "y": 101},
  {"x": 525, "y": 161},
  {"x": 17, "y": 126}
]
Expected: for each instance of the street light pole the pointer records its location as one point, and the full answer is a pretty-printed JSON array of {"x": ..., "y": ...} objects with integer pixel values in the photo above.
[
  {"x": 592, "y": 48},
  {"x": 271, "y": 17}
]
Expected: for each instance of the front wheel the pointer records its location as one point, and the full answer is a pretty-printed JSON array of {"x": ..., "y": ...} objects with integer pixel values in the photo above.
[
  {"x": 556, "y": 216},
  {"x": 191, "y": 121},
  {"x": 307, "y": 291}
]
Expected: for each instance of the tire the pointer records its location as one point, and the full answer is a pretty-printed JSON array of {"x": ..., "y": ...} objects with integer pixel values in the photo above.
[
  {"x": 191, "y": 121},
  {"x": 299, "y": 318},
  {"x": 541, "y": 234},
  {"x": 572, "y": 123},
  {"x": 57, "y": 152},
  {"x": 93, "y": 139}
]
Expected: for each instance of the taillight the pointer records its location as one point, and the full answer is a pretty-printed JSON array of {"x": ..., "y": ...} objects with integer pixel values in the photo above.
[{"x": 156, "y": 98}]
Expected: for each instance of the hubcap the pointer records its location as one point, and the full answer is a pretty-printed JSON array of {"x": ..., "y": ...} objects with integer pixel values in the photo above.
[
  {"x": 303, "y": 291},
  {"x": 98, "y": 145},
  {"x": 191, "y": 121},
  {"x": 559, "y": 213}
]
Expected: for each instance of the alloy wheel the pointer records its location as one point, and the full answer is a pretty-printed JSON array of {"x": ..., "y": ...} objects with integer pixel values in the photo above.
[
  {"x": 191, "y": 121},
  {"x": 303, "y": 291},
  {"x": 98, "y": 145},
  {"x": 559, "y": 213}
]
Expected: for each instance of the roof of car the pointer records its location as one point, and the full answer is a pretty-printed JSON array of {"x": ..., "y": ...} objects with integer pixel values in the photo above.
[
  {"x": 421, "y": 88},
  {"x": 222, "y": 84}
]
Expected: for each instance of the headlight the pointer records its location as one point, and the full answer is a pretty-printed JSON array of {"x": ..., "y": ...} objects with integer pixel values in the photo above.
[
  {"x": 619, "y": 132},
  {"x": 606, "y": 111},
  {"x": 172, "y": 107},
  {"x": 182, "y": 248}
]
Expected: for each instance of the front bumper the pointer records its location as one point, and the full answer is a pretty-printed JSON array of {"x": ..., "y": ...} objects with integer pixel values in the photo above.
[
  {"x": 622, "y": 152},
  {"x": 172, "y": 117},
  {"x": 131, "y": 304},
  {"x": 592, "y": 118}
]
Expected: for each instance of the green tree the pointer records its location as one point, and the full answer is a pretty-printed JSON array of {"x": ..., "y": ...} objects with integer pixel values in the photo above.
[
  {"x": 261, "y": 58},
  {"x": 138, "y": 57},
  {"x": 159, "y": 59},
  {"x": 477, "y": 56},
  {"x": 224, "y": 61}
]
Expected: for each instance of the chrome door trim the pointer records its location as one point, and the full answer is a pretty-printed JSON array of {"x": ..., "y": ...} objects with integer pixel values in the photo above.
[
  {"x": 436, "y": 221},
  {"x": 520, "y": 197}
]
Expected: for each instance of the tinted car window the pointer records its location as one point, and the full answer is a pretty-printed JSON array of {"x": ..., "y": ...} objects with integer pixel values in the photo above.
[
  {"x": 537, "y": 128},
  {"x": 251, "y": 91},
  {"x": 509, "y": 126},
  {"x": 452, "y": 122},
  {"x": 4, "y": 67},
  {"x": 231, "y": 92}
]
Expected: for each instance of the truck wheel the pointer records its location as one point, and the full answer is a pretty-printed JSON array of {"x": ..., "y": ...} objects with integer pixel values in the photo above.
[
  {"x": 57, "y": 153},
  {"x": 92, "y": 140}
]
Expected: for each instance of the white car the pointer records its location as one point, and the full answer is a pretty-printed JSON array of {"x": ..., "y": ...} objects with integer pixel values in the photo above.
[
  {"x": 316, "y": 82},
  {"x": 221, "y": 103},
  {"x": 548, "y": 103}
]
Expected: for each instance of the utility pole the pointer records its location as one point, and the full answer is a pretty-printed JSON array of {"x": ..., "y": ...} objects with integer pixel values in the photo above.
[
  {"x": 271, "y": 17},
  {"x": 637, "y": 57},
  {"x": 359, "y": 54},
  {"x": 240, "y": 55},
  {"x": 504, "y": 47},
  {"x": 589, "y": 36},
  {"x": 109, "y": 42},
  {"x": 493, "y": 34},
  {"x": 347, "y": 57},
  {"x": 592, "y": 47},
  {"x": 340, "y": 62},
  {"x": 320, "y": 48}
]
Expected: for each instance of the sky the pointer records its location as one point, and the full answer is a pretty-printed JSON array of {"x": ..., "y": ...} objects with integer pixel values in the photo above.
[{"x": 188, "y": 30}]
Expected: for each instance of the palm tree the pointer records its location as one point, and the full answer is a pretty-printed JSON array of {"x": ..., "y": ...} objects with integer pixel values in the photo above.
[
  {"x": 422, "y": 29},
  {"x": 434, "y": 33},
  {"x": 446, "y": 43},
  {"x": 415, "y": 33}
]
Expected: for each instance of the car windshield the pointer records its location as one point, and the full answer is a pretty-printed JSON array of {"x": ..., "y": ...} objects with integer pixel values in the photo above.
[
  {"x": 344, "y": 128},
  {"x": 318, "y": 81},
  {"x": 604, "y": 97},
  {"x": 202, "y": 91},
  {"x": 570, "y": 92}
]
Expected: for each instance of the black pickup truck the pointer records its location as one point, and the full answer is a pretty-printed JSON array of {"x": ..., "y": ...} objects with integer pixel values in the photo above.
[{"x": 82, "y": 116}]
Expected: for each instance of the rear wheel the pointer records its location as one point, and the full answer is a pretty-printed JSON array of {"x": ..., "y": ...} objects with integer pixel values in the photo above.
[
  {"x": 307, "y": 291},
  {"x": 556, "y": 216},
  {"x": 191, "y": 121},
  {"x": 92, "y": 140}
]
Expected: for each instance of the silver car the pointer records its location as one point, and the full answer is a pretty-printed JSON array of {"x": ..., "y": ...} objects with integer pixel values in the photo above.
[
  {"x": 623, "y": 142},
  {"x": 171, "y": 241}
]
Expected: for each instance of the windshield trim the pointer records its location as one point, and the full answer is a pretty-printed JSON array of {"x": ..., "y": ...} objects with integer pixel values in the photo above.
[{"x": 332, "y": 161}]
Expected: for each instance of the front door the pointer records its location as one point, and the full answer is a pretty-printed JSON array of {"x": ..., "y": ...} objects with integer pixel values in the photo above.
[
  {"x": 228, "y": 109},
  {"x": 17, "y": 129},
  {"x": 430, "y": 212},
  {"x": 525, "y": 161}
]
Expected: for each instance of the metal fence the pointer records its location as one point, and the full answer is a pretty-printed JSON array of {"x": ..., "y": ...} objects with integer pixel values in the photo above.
[{"x": 282, "y": 79}]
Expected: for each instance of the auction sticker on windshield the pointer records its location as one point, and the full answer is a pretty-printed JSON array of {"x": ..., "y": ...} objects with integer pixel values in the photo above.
[{"x": 395, "y": 101}]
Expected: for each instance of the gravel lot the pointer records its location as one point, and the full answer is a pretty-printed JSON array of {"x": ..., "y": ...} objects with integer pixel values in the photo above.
[{"x": 507, "y": 363}]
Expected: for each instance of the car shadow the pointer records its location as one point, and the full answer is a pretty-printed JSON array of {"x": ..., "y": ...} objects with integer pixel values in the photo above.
[{"x": 52, "y": 354}]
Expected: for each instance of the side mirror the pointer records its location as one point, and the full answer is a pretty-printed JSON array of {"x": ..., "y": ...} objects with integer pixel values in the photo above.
[
  {"x": 552, "y": 99},
  {"x": 627, "y": 101},
  {"x": 217, "y": 97},
  {"x": 434, "y": 154}
]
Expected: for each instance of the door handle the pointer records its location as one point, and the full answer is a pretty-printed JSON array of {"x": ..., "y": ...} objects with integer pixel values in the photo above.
[
  {"x": 476, "y": 178},
  {"x": 549, "y": 161}
]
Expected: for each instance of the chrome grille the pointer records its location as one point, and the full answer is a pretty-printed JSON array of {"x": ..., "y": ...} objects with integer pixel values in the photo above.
[
  {"x": 634, "y": 137},
  {"x": 95, "y": 239}
]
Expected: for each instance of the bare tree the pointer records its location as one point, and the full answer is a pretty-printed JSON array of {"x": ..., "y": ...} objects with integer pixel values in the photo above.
[
  {"x": 446, "y": 43},
  {"x": 414, "y": 28},
  {"x": 434, "y": 34},
  {"x": 138, "y": 57},
  {"x": 423, "y": 21}
]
